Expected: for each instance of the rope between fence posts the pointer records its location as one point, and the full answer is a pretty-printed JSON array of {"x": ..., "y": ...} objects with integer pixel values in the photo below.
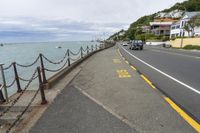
[
  {"x": 8, "y": 67},
  {"x": 19, "y": 116},
  {"x": 84, "y": 50},
  {"x": 11, "y": 84},
  {"x": 50, "y": 70},
  {"x": 74, "y": 54},
  {"x": 36, "y": 60},
  {"x": 75, "y": 59},
  {"x": 27, "y": 80},
  {"x": 52, "y": 62},
  {"x": 21, "y": 93}
]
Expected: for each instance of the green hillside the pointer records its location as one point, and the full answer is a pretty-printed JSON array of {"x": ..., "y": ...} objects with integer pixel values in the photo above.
[{"x": 190, "y": 5}]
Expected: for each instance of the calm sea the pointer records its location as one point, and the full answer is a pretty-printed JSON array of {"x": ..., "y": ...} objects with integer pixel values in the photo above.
[{"x": 26, "y": 53}]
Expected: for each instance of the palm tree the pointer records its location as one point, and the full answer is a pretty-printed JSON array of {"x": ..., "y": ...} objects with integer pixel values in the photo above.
[
  {"x": 187, "y": 28},
  {"x": 194, "y": 22}
]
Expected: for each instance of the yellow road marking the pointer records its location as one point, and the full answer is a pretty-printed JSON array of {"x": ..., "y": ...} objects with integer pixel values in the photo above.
[
  {"x": 185, "y": 116},
  {"x": 123, "y": 74},
  {"x": 133, "y": 68},
  {"x": 127, "y": 62},
  {"x": 148, "y": 81},
  {"x": 119, "y": 53},
  {"x": 116, "y": 61}
]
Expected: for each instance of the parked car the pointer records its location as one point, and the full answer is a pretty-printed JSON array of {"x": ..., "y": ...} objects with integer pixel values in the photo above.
[
  {"x": 129, "y": 42},
  {"x": 166, "y": 45},
  {"x": 136, "y": 45}
]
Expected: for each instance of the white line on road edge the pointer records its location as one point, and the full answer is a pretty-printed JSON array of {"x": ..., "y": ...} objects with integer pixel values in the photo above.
[
  {"x": 178, "y": 81},
  {"x": 156, "y": 50}
]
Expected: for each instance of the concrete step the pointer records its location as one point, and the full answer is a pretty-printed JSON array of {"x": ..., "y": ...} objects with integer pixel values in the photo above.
[
  {"x": 8, "y": 118},
  {"x": 15, "y": 108}
]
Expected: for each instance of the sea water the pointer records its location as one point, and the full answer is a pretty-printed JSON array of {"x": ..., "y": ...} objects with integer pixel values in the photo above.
[{"x": 26, "y": 53}]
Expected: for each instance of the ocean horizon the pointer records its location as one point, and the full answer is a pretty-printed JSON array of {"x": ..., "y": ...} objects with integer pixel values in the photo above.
[{"x": 26, "y": 53}]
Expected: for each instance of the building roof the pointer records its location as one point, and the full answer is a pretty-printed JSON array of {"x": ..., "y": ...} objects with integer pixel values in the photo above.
[
  {"x": 165, "y": 20},
  {"x": 189, "y": 15},
  {"x": 161, "y": 23}
]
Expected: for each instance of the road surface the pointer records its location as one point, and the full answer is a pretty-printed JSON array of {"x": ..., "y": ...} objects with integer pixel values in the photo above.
[{"x": 175, "y": 72}]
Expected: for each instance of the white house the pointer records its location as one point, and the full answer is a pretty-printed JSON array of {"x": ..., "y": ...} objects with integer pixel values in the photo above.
[{"x": 177, "y": 29}]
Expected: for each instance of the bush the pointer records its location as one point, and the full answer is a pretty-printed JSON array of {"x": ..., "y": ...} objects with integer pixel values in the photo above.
[
  {"x": 165, "y": 38},
  {"x": 189, "y": 47}
]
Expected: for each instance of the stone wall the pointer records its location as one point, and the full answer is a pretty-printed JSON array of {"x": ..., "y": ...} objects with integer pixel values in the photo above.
[{"x": 186, "y": 41}]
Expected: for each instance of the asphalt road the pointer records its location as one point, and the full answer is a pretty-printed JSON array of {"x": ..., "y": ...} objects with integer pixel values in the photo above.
[{"x": 175, "y": 72}]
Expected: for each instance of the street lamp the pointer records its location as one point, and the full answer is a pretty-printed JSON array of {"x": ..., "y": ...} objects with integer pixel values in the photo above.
[{"x": 183, "y": 30}]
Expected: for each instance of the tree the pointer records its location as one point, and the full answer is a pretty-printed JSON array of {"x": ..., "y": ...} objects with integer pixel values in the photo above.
[
  {"x": 194, "y": 22},
  {"x": 187, "y": 28}
]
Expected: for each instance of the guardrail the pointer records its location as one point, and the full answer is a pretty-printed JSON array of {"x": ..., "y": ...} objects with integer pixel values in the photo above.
[{"x": 40, "y": 74}]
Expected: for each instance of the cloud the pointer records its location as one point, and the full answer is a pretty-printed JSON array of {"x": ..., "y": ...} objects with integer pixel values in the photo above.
[{"x": 70, "y": 20}]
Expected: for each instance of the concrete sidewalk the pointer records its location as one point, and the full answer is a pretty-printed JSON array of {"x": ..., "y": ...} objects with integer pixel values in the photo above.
[{"x": 107, "y": 96}]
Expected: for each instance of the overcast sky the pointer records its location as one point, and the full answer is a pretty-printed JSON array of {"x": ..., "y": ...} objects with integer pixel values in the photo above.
[{"x": 70, "y": 20}]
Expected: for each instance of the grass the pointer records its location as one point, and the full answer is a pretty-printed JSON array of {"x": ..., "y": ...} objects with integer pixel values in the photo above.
[{"x": 190, "y": 47}]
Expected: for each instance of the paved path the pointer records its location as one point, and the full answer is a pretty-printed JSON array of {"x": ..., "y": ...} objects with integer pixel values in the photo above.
[
  {"x": 73, "y": 112},
  {"x": 108, "y": 96}
]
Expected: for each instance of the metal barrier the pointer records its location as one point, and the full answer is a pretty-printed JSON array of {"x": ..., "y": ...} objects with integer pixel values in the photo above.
[
  {"x": 66, "y": 60},
  {"x": 40, "y": 73}
]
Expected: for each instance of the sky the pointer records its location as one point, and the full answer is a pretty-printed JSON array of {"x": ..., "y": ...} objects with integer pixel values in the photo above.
[{"x": 71, "y": 20}]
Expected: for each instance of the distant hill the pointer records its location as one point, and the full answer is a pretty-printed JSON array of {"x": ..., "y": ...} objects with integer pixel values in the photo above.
[{"x": 174, "y": 12}]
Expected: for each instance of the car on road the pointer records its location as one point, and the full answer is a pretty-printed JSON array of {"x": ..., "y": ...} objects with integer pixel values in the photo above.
[
  {"x": 124, "y": 44},
  {"x": 136, "y": 45}
]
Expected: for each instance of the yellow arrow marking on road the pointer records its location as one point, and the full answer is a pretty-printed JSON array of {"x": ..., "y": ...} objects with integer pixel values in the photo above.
[
  {"x": 123, "y": 74},
  {"x": 116, "y": 61}
]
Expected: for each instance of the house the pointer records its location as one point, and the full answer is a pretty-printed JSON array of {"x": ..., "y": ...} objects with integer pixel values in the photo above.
[
  {"x": 161, "y": 28},
  {"x": 177, "y": 28}
]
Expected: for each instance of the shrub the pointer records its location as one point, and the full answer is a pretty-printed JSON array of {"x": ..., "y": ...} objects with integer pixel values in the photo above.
[{"x": 189, "y": 47}]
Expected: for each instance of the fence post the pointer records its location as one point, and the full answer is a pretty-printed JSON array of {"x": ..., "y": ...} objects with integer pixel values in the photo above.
[
  {"x": 68, "y": 57},
  {"x": 43, "y": 70},
  {"x": 81, "y": 52},
  {"x": 41, "y": 87},
  {"x": 87, "y": 50},
  {"x": 17, "y": 77},
  {"x": 2, "y": 99},
  {"x": 92, "y": 48},
  {"x": 4, "y": 82}
]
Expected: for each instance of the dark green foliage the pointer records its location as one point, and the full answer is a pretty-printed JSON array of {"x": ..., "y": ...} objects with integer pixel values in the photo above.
[
  {"x": 190, "y": 5},
  {"x": 189, "y": 47}
]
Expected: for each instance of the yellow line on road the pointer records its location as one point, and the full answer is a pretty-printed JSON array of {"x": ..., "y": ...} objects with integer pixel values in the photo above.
[
  {"x": 117, "y": 61},
  {"x": 148, "y": 81},
  {"x": 127, "y": 62},
  {"x": 133, "y": 68},
  {"x": 119, "y": 53},
  {"x": 185, "y": 116}
]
